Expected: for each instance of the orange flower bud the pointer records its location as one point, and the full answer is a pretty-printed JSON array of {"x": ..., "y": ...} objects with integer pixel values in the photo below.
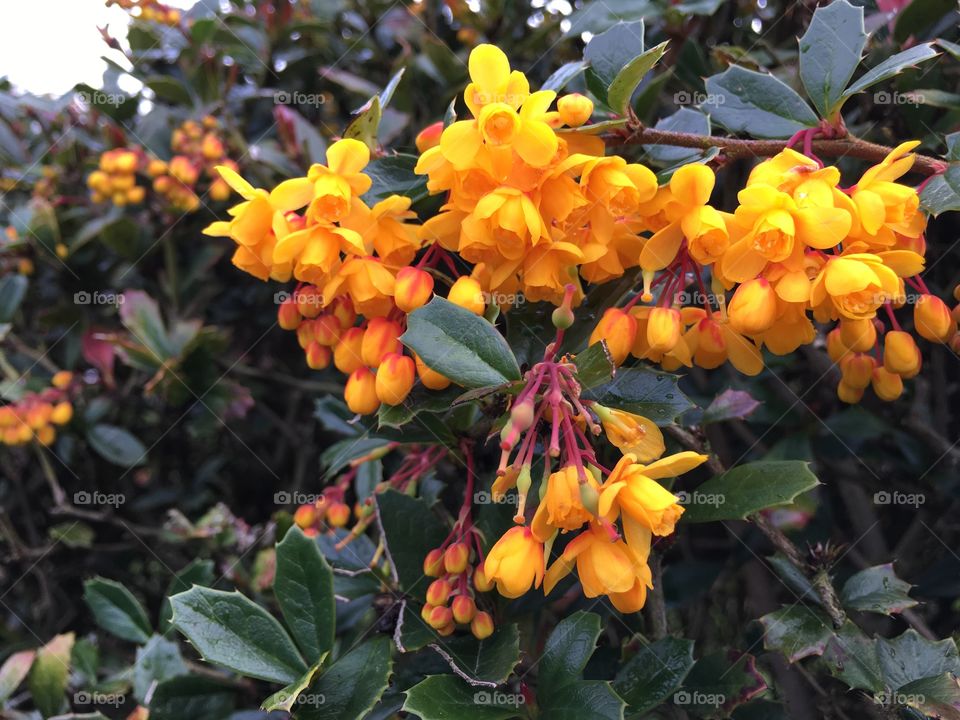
[
  {"x": 318, "y": 356},
  {"x": 46, "y": 435},
  {"x": 482, "y": 625},
  {"x": 464, "y": 608},
  {"x": 62, "y": 413},
  {"x": 326, "y": 330},
  {"x": 288, "y": 316},
  {"x": 433, "y": 563},
  {"x": 663, "y": 329},
  {"x": 219, "y": 190},
  {"x": 156, "y": 167},
  {"x": 857, "y": 369},
  {"x": 212, "y": 147},
  {"x": 62, "y": 379},
  {"x": 438, "y": 592},
  {"x": 360, "y": 392},
  {"x": 439, "y": 617},
  {"x": 425, "y": 612},
  {"x": 848, "y": 394},
  {"x": 480, "y": 581},
  {"x": 430, "y": 136},
  {"x": 933, "y": 320},
  {"x": 338, "y": 514},
  {"x": 619, "y": 330},
  {"x": 305, "y": 516},
  {"x": 309, "y": 301},
  {"x": 858, "y": 335},
  {"x": 305, "y": 333},
  {"x": 183, "y": 170},
  {"x": 413, "y": 288},
  {"x": 467, "y": 293},
  {"x": 431, "y": 379},
  {"x": 343, "y": 310},
  {"x": 887, "y": 386},
  {"x": 710, "y": 336},
  {"x": 836, "y": 348},
  {"x": 395, "y": 378},
  {"x": 753, "y": 307},
  {"x": 456, "y": 557},
  {"x": 901, "y": 354},
  {"x": 379, "y": 340},
  {"x": 575, "y": 109},
  {"x": 347, "y": 352}
]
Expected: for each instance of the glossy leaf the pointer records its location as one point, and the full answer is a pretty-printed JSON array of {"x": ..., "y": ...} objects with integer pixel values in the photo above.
[
  {"x": 656, "y": 672},
  {"x": 830, "y": 51},
  {"x": 650, "y": 393},
  {"x": 877, "y": 589},
  {"x": 756, "y": 103},
  {"x": 116, "y": 610},
  {"x": 350, "y": 687},
  {"x": 629, "y": 78}
]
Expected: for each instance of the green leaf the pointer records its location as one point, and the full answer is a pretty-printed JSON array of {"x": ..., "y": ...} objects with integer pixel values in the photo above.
[
  {"x": 117, "y": 445},
  {"x": 851, "y": 656},
  {"x": 756, "y": 103},
  {"x": 796, "y": 631},
  {"x": 13, "y": 288},
  {"x": 911, "y": 657},
  {"x": 456, "y": 343},
  {"x": 442, "y": 697},
  {"x": 285, "y": 698},
  {"x": 390, "y": 88},
  {"x": 351, "y": 686},
  {"x": 748, "y": 488},
  {"x": 918, "y": 16},
  {"x": 140, "y": 314},
  {"x": 364, "y": 127},
  {"x": 893, "y": 65},
  {"x": 629, "y": 78},
  {"x": 656, "y": 672},
  {"x": 410, "y": 530},
  {"x": 942, "y": 192},
  {"x": 830, "y": 51},
  {"x": 156, "y": 661},
  {"x": 342, "y": 453},
  {"x": 394, "y": 175},
  {"x": 198, "y": 572},
  {"x": 13, "y": 671},
  {"x": 49, "y": 674},
  {"x": 304, "y": 590},
  {"x": 646, "y": 392},
  {"x": 412, "y": 633},
  {"x": 685, "y": 120},
  {"x": 311, "y": 144},
  {"x": 232, "y": 631},
  {"x": 72, "y": 534},
  {"x": 594, "y": 365},
  {"x": 167, "y": 87},
  {"x": 877, "y": 589},
  {"x": 420, "y": 400},
  {"x": 486, "y": 663},
  {"x": 563, "y": 75},
  {"x": 586, "y": 698},
  {"x": 950, "y": 47},
  {"x": 937, "y": 696},
  {"x": 116, "y": 610},
  {"x": 719, "y": 683},
  {"x": 191, "y": 697},
  {"x": 609, "y": 52},
  {"x": 567, "y": 651}
]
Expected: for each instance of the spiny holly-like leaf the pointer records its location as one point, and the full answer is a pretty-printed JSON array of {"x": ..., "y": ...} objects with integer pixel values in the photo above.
[
  {"x": 877, "y": 589},
  {"x": 830, "y": 51},
  {"x": 349, "y": 688},
  {"x": 796, "y": 631},
  {"x": 443, "y": 697},
  {"x": 304, "y": 590},
  {"x": 483, "y": 663},
  {"x": 594, "y": 365},
  {"x": 756, "y": 103},
  {"x": 609, "y": 52},
  {"x": 409, "y": 529},
  {"x": 656, "y": 672},
  {"x": 649, "y": 393},
  {"x": 893, "y": 65}
]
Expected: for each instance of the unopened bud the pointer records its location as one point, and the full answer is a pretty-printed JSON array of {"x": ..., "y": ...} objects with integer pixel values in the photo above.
[{"x": 456, "y": 557}]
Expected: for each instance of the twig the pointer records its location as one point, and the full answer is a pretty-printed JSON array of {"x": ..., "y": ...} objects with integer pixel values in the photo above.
[{"x": 656, "y": 604}]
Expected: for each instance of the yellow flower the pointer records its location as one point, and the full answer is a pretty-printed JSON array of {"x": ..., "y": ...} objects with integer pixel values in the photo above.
[
  {"x": 492, "y": 81},
  {"x": 854, "y": 285},
  {"x": 884, "y": 206},
  {"x": 339, "y": 181},
  {"x": 383, "y": 229},
  {"x": 630, "y": 433},
  {"x": 561, "y": 506},
  {"x": 368, "y": 283},
  {"x": 619, "y": 330},
  {"x": 690, "y": 218},
  {"x": 515, "y": 562},
  {"x": 632, "y": 490},
  {"x": 604, "y": 565},
  {"x": 504, "y": 225},
  {"x": 753, "y": 307}
]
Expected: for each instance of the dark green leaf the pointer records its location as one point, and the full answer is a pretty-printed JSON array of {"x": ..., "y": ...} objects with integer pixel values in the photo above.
[
  {"x": 167, "y": 87},
  {"x": 877, "y": 589},
  {"x": 482, "y": 662},
  {"x": 586, "y": 698},
  {"x": 609, "y": 52},
  {"x": 156, "y": 661},
  {"x": 191, "y": 697},
  {"x": 567, "y": 651},
  {"x": 116, "y": 610},
  {"x": 198, "y": 572},
  {"x": 564, "y": 74},
  {"x": 756, "y": 103},
  {"x": 796, "y": 631},
  {"x": 304, "y": 590},
  {"x": 649, "y": 393},
  {"x": 394, "y": 175},
  {"x": 458, "y": 344},
  {"x": 340, "y": 454},
  {"x": 656, "y": 672},
  {"x": 594, "y": 365},
  {"x": 13, "y": 287},
  {"x": 420, "y": 400},
  {"x": 232, "y": 631},
  {"x": 443, "y": 697},
  {"x": 893, "y": 65},
  {"x": 117, "y": 445},
  {"x": 748, "y": 488},
  {"x": 720, "y": 682},
  {"x": 911, "y": 657},
  {"x": 830, "y": 51},
  {"x": 410, "y": 530},
  {"x": 851, "y": 656},
  {"x": 942, "y": 192},
  {"x": 350, "y": 687}
]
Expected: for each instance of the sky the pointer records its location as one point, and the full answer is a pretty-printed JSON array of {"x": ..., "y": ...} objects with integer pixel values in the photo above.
[{"x": 48, "y": 46}]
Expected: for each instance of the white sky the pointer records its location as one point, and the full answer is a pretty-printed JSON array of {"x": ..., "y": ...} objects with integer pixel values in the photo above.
[{"x": 48, "y": 46}]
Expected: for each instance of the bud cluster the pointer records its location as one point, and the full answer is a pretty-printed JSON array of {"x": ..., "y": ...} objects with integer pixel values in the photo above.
[
  {"x": 115, "y": 178},
  {"x": 35, "y": 416}
]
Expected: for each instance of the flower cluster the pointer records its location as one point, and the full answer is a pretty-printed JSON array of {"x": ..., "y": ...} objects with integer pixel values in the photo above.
[
  {"x": 531, "y": 203},
  {"x": 798, "y": 249},
  {"x": 36, "y": 416},
  {"x": 115, "y": 178},
  {"x": 197, "y": 151},
  {"x": 615, "y": 513}
]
